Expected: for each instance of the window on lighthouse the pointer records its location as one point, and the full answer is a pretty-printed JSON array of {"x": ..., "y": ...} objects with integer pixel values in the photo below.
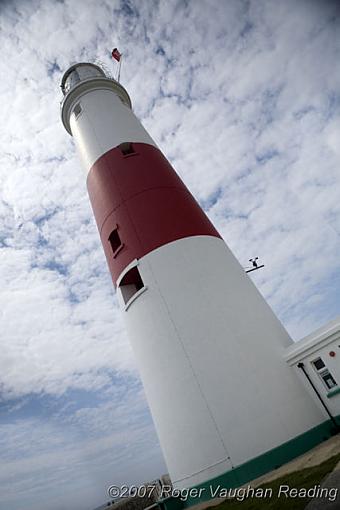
[
  {"x": 130, "y": 284},
  {"x": 77, "y": 110},
  {"x": 115, "y": 242},
  {"x": 127, "y": 148}
]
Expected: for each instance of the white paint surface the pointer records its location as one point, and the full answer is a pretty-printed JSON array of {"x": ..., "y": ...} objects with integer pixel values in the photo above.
[
  {"x": 105, "y": 123},
  {"x": 210, "y": 351}
]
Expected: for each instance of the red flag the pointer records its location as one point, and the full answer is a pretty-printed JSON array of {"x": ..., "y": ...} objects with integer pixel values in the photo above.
[{"x": 116, "y": 55}]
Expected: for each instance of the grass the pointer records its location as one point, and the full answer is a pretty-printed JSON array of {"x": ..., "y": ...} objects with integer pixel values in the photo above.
[{"x": 305, "y": 478}]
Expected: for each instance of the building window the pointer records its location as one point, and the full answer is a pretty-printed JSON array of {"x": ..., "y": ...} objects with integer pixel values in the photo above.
[
  {"x": 77, "y": 110},
  {"x": 127, "y": 148},
  {"x": 130, "y": 284},
  {"x": 324, "y": 374},
  {"x": 319, "y": 364},
  {"x": 116, "y": 243}
]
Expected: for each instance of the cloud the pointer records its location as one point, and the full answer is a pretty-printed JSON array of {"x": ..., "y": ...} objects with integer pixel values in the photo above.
[
  {"x": 83, "y": 452},
  {"x": 242, "y": 97}
]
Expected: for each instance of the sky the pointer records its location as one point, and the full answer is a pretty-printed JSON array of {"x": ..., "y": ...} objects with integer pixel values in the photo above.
[{"x": 243, "y": 97}]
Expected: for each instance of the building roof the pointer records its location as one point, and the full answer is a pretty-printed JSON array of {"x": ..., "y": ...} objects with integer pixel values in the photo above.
[{"x": 313, "y": 342}]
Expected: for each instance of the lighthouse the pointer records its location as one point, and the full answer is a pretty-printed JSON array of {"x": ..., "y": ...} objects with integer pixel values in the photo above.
[{"x": 226, "y": 405}]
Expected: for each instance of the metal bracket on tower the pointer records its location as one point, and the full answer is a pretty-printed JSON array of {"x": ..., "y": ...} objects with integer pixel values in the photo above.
[{"x": 255, "y": 265}]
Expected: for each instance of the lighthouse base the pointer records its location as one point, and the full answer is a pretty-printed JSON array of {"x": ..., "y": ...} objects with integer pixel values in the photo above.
[{"x": 252, "y": 469}]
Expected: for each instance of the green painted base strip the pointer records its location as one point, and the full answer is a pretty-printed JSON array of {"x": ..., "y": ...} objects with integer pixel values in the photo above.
[
  {"x": 256, "y": 467},
  {"x": 333, "y": 392}
]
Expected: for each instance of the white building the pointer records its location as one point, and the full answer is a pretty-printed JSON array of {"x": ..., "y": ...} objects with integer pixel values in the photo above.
[{"x": 316, "y": 358}]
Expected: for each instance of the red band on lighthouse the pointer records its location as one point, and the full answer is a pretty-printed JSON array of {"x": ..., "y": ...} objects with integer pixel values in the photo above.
[{"x": 141, "y": 195}]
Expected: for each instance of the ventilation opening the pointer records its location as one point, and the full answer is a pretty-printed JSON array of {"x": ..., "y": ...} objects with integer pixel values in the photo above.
[
  {"x": 77, "y": 110},
  {"x": 130, "y": 284},
  {"x": 127, "y": 148},
  {"x": 116, "y": 243}
]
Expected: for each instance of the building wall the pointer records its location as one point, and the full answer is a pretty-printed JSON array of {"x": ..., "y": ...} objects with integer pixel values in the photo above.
[{"x": 325, "y": 344}]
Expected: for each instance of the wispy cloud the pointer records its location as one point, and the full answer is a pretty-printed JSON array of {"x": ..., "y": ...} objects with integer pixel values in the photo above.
[{"x": 243, "y": 97}]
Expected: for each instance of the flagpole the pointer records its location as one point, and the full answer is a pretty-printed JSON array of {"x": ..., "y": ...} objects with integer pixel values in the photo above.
[{"x": 120, "y": 64}]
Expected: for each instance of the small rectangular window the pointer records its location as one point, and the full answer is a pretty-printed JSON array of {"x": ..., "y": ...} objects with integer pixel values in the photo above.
[
  {"x": 130, "y": 284},
  {"x": 116, "y": 243},
  {"x": 77, "y": 110},
  {"x": 127, "y": 148},
  {"x": 319, "y": 364},
  {"x": 324, "y": 374}
]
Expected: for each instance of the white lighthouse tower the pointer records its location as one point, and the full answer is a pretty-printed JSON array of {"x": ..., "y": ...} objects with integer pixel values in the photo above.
[{"x": 225, "y": 404}]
